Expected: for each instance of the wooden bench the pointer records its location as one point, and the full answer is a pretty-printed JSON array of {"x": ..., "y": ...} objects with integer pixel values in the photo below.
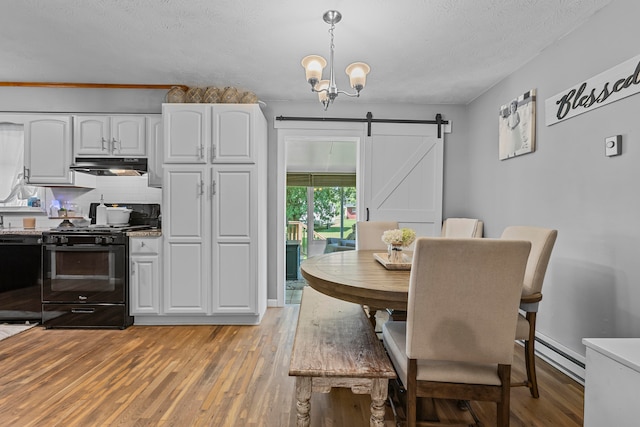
[{"x": 335, "y": 346}]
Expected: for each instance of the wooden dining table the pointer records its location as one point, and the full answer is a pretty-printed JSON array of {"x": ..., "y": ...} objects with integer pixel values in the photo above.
[{"x": 356, "y": 276}]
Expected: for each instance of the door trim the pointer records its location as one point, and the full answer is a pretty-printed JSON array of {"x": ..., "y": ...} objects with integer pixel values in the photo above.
[{"x": 297, "y": 130}]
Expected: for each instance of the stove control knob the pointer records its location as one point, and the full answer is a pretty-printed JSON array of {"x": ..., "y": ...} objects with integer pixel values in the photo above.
[
  {"x": 63, "y": 239},
  {"x": 98, "y": 240}
]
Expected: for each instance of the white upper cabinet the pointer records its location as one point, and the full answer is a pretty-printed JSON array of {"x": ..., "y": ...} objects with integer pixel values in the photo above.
[
  {"x": 121, "y": 136},
  {"x": 233, "y": 133},
  {"x": 47, "y": 149},
  {"x": 206, "y": 133},
  {"x": 187, "y": 130}
]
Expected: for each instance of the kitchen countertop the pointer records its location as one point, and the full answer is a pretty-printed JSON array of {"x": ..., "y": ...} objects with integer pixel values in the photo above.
[
  {"x": 145, "y": 233},
  {"x": 39, "y": 230},
  {"x": 24, "y": 231}
]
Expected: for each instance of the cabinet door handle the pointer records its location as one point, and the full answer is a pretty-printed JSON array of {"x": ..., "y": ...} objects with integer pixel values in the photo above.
[
  {"x": 213, "y": 152},
  {"x": 213, "y": 188},
  {"x": 201, "y": 152},
  {"x": 201, "y": 190},
  {"x": 102, "y": 143},
  {"x": 113, "y": 145},
  {"x": 26, "y": 173},
  {"x": 133, "y": 267}
]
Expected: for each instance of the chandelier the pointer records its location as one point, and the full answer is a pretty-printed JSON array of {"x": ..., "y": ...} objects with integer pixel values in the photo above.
[{"x": 314, "y": 64}]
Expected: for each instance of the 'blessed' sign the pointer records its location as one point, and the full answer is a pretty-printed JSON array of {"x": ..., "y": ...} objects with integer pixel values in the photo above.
[{"x": 616, "y": 83}]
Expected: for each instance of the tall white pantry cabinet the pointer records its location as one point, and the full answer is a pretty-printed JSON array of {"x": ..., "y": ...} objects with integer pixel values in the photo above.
[{"x": 214, "y": 213}]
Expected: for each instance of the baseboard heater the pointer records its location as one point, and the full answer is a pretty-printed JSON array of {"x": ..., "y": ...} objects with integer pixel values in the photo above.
[{"x": 560, "y": 359}]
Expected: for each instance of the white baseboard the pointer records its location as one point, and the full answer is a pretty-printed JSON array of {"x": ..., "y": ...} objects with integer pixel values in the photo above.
[{"x": 272, "y": 303}]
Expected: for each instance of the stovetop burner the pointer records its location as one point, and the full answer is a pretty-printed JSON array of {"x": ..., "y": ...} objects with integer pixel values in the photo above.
[{"x": 99, "y": 229}]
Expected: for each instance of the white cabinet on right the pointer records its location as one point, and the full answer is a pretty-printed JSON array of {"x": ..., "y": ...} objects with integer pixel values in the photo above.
[{"x": 214, "y": 213}]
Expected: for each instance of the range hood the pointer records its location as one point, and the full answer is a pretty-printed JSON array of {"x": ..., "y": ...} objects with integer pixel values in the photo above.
[{"x": 111, "y": 166}]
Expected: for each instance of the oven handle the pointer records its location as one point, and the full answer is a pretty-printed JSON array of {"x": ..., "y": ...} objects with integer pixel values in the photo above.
[
  {"x": 79, "y": 247},
  {"x": 83, "y": 310}
]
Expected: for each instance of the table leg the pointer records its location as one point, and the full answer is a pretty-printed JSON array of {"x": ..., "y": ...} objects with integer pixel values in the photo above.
[
  {"x": 372, "y": 317},
  {"x": 379, "y": 389},
  {"x": 303, "y": 406}
]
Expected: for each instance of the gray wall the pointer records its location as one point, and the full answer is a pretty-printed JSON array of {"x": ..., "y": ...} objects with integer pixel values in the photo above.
[{"x": 592, "y": 288}]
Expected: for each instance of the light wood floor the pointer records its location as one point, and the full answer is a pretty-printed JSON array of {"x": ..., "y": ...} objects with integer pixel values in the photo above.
[{"x": 206, "y": 376}]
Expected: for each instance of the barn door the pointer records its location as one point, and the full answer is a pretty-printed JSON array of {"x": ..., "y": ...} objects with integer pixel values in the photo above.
[{"x": 402, "y": 176}]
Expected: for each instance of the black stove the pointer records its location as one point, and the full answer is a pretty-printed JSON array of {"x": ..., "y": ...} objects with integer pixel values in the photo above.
[{"x": 86, "y": 271}]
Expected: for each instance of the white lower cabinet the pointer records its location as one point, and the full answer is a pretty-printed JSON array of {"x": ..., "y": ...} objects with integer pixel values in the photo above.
[
  {"x": 145, "y": 279},
  {"x": 211, "y": 225}
]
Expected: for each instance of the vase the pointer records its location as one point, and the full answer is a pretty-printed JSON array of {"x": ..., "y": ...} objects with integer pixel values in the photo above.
[{"x": 395, "y": 255}]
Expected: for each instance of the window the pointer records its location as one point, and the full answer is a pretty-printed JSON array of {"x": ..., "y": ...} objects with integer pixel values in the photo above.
[{"x": 14, "y": 192}]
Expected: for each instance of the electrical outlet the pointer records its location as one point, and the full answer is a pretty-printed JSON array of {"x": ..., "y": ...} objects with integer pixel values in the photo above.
[{"x": 613, "y": 145}]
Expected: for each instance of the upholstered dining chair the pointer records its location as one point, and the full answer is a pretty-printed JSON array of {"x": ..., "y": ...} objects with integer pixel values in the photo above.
[
  {"x": 369, "y": 234},
  {"x": 542, "y": 241},
  {"x": 457, "y": 341},
  {"x": 369, "y": 237},
  {"x": 462, "y": 227}
]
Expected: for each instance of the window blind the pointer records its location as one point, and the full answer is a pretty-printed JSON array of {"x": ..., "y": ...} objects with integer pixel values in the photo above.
[{"x": 297, "y": 179}]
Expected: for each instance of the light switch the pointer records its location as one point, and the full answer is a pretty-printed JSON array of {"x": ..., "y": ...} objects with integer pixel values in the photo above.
[{"x": 613, "y": 145}]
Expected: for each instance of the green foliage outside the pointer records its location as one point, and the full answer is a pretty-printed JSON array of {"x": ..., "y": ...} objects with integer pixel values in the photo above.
[{"x": 327, "y": 202}]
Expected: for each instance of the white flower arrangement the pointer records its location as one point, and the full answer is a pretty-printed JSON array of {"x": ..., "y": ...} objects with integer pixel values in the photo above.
[{"x": 401, "y": 236}]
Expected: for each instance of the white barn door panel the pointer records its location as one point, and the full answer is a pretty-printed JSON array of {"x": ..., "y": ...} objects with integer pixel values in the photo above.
[{"x": 402, "y": 176}]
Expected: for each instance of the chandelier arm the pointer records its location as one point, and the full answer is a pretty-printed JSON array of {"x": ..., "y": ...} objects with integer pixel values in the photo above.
[{"x": 353, "y": 95}]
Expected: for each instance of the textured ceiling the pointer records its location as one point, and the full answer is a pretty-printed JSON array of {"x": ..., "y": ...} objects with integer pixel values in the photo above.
[{"x": 420, "y": 51}]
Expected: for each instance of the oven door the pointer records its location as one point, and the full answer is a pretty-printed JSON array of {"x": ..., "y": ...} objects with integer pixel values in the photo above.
[{"x": 84, "y": 273}]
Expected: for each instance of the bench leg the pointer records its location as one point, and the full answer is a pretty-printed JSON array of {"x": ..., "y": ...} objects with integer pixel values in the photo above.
[
  {"x": 303, "y": 406},
  {"x": 379, "y": 389}
]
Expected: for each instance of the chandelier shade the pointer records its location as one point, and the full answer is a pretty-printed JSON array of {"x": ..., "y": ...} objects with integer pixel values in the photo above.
[
  {"x": 357, "y": 73},
  {"x": 314, "y": 65}
]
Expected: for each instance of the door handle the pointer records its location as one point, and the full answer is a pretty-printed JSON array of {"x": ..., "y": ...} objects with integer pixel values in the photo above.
[
  {"x": 213, "y": 188},
  {"x": 102, "y": 143},
  {"x": 201, "y": 190},
  {"x": 367, "y": 214}
]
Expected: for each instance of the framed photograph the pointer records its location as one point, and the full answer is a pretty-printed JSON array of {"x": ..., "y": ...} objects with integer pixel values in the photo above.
[{"x": 517, "y": 126}]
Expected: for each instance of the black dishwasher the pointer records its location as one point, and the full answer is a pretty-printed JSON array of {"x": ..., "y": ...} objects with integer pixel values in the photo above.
[{"x": 20, "y": 278}]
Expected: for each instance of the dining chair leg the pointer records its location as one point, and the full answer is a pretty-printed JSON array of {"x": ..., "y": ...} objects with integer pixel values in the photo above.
[
  {"x": 412, "y": 396},
  {"x": 503, "y": 406},
  {"x": 530, "y": 356}
]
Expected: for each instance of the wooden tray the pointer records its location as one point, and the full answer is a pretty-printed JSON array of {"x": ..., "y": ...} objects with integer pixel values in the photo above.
[{"x": 384, "y": 260}]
